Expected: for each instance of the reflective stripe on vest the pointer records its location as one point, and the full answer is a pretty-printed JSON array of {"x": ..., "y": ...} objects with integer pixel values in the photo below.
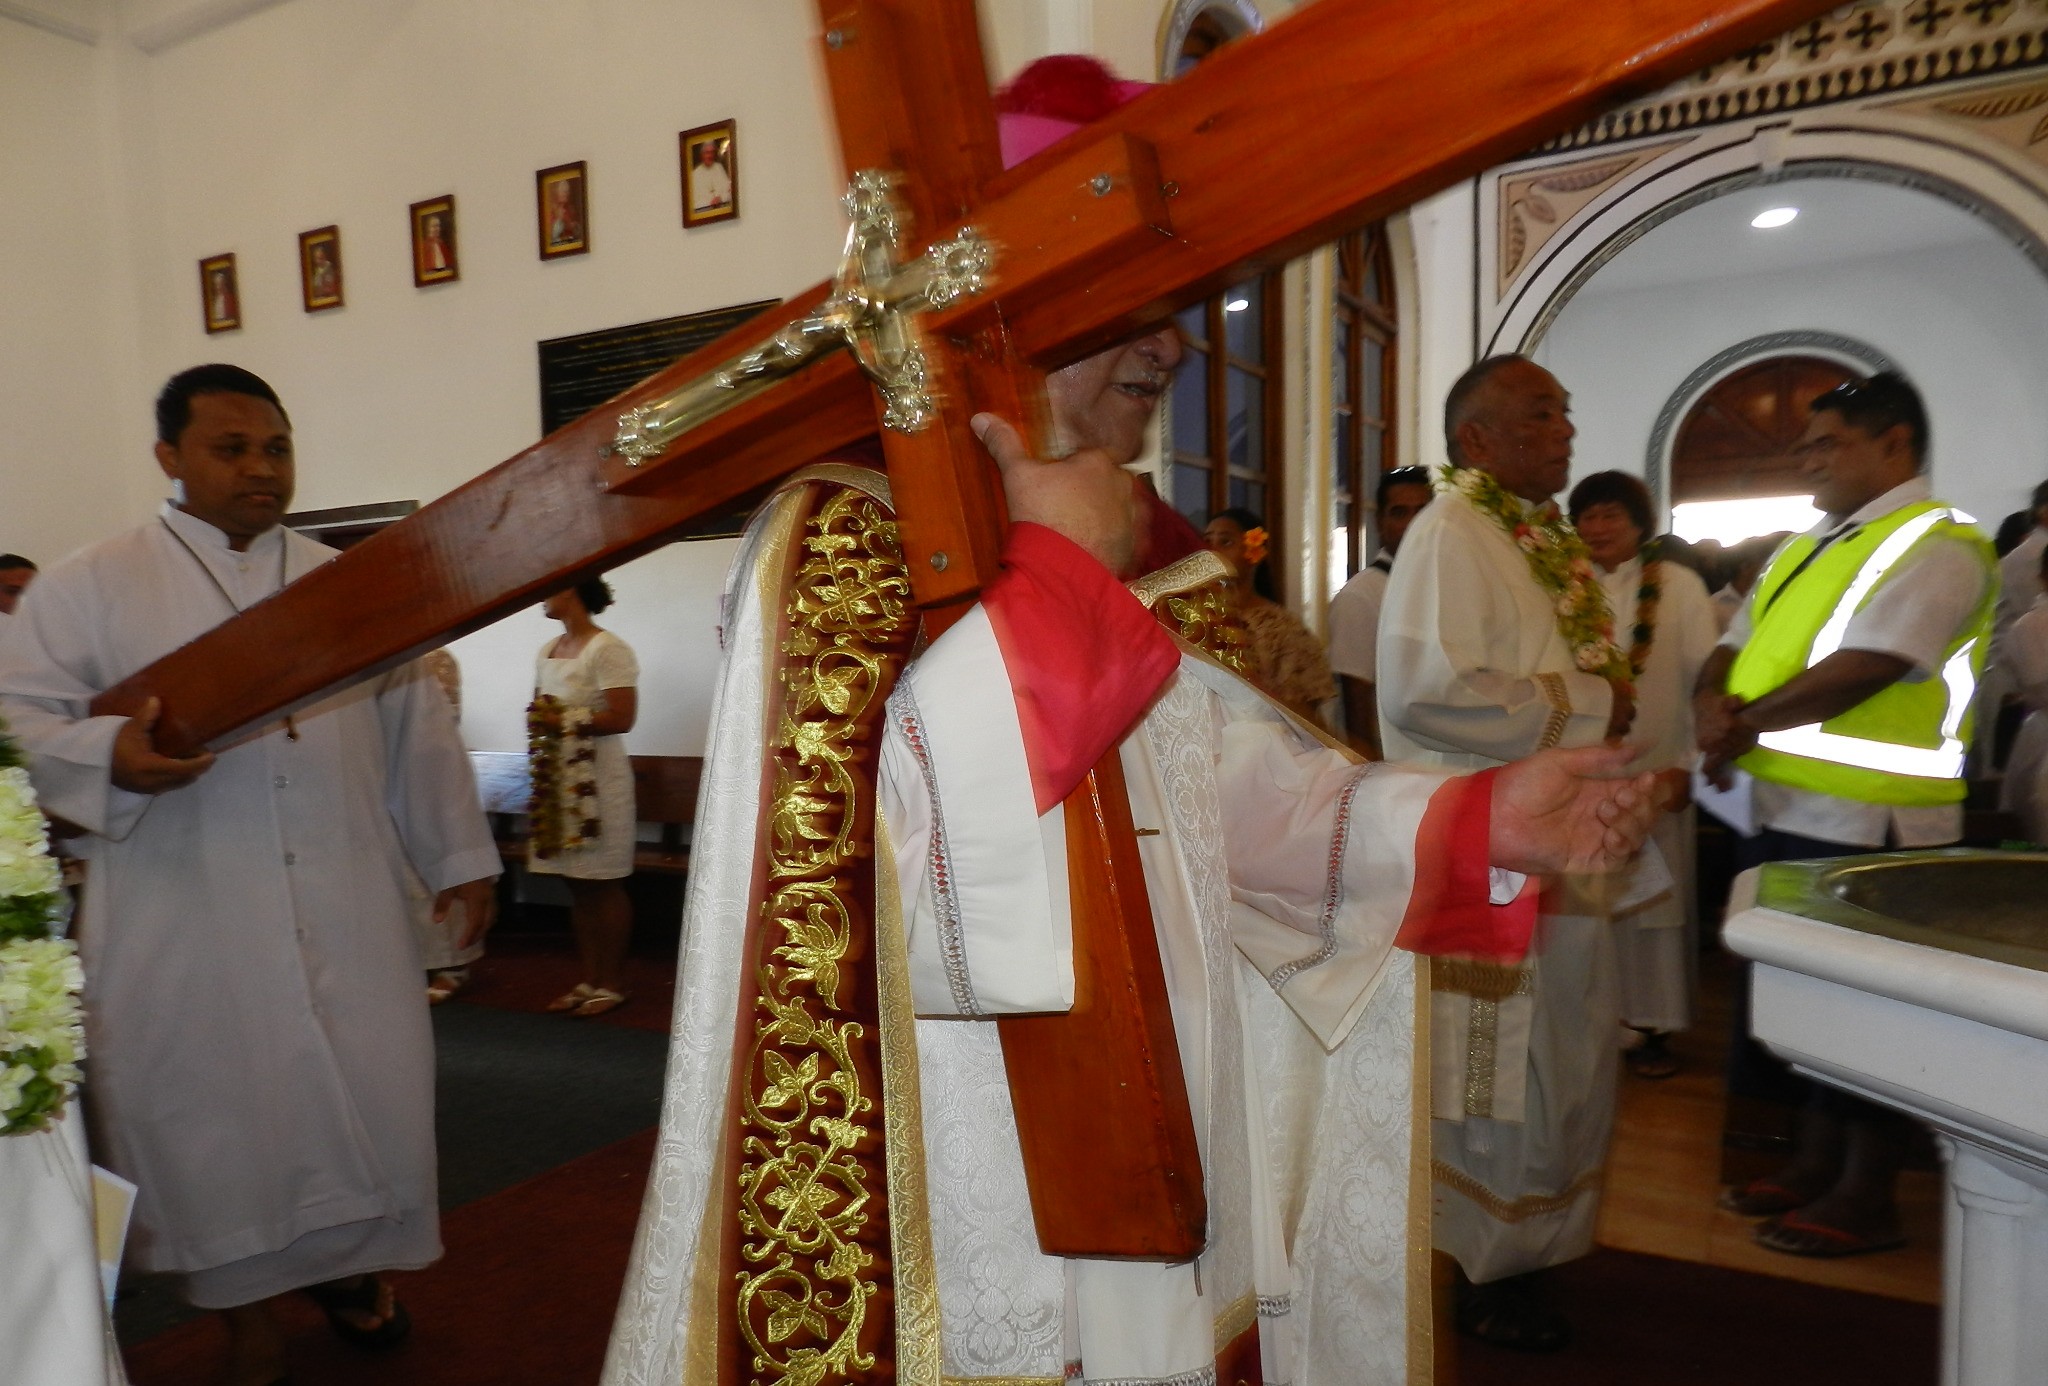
[{"x": 1943, "y": 762}]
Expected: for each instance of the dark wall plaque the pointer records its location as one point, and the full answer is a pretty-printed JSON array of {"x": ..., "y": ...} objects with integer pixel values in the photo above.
[{"x": 579, "y": 373}]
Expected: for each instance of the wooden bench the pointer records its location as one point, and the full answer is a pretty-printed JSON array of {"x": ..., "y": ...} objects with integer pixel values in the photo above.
[{"x": 664, "y": 795}]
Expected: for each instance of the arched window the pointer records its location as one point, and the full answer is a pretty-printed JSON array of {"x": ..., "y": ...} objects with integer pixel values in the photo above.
[
  {"x": 1362, "y": 367},
  {"x": 1223, "y": 426}
]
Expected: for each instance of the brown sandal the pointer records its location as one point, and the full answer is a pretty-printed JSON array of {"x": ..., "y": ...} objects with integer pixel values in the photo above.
[
  {"x": 599, "y": 1001},
  {"x": 572, "y": 999}
]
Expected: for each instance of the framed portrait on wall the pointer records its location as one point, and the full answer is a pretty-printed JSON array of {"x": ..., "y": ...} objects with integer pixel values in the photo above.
[
  {"x": 220, "y": 295},
  {"x": 320, "y": 268},
  {"x": 562, "y": 195},
  {"x": 433, "y": 242},
  {"x": 711, "y": 174}
]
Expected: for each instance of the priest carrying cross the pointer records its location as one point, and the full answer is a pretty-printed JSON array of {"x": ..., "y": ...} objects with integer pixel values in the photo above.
[{"x": 1282, "y": 876}]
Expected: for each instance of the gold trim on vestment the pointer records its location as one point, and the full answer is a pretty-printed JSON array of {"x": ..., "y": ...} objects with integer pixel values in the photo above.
[
  {"x": 1482, "y": 1053},
  {"x": 1236, "y": 1319},
  {"x": 808, "y": 1222},
  {"x": 706, "y": 1287},
  {"x": 1520, "y": 1209},
  {"x": 1421, "y": 1197},
  {"x": 866, "y": 480},
  {"x": 1560, "y": 700},
  {"x": 1183, "y": 575},
  {"x": 1002, "y": 1381},
  {"x": 1481, "y": 981},
  {"x": 920, "y": 1352}
]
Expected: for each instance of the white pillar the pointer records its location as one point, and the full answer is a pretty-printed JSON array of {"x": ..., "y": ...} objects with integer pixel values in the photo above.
[{"x": 1995, "y": 1281}]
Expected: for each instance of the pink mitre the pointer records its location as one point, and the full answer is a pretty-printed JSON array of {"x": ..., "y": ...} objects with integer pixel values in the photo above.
[{"x": 1054, "y": 97}]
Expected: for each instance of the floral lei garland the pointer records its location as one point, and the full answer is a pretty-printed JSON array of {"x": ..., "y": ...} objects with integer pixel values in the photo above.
[
  {"x": 1648, "y": 593},
  {"x": 1559, "y": 562},
  {"x": 562, "y": 756},
  {"x": 42, "y": 1025}
]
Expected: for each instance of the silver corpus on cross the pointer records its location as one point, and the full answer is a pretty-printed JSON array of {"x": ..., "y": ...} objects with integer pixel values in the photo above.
[{"x": 872, "y": 311}]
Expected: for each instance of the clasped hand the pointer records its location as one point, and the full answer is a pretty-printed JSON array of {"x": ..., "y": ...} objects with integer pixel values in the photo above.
[{"x": 1723, "y": 734}]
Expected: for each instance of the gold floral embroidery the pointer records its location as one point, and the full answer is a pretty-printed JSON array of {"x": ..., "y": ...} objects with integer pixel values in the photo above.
[{"x": 812, "y": 1202}]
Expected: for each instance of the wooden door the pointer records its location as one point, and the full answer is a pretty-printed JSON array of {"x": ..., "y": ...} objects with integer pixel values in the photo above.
[{"x": 1737, "y": 441}]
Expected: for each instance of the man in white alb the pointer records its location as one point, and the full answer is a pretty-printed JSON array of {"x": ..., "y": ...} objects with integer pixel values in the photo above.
[
  {"x": 1496, "y": 643},
  {"x": 262, "y": 1066},
  {"x": 1355, "y": 610}
]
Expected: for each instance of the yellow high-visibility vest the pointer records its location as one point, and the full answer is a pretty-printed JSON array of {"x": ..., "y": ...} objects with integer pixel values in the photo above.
[{"x": 1903, "y": 745}]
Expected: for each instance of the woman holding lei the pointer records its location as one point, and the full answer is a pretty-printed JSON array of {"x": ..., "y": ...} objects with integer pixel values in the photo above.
[
  {"x": 585, "y": 701},
  {"x": 1664, "y": 622},
  {"x": 1284, "y": 658}
]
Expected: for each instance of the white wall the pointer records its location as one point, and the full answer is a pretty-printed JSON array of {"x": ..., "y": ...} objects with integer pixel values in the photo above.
[
  {"x": 1967, "y": 323},
  {"x": 60, "y": 289}
]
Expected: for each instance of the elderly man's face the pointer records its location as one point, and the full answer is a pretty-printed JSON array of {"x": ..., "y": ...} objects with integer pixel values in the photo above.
[
  {"x": 1105, "y": 400},
  {"x": 14, "y": 582},
  {"x": 1522, "y": 432}
]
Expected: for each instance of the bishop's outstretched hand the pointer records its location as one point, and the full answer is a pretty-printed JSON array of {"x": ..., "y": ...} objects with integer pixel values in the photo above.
[{"x": 1576, "y": 811}]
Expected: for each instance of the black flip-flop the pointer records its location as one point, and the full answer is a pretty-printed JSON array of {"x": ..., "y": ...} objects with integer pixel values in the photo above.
[
  {"x": 361, "y": 1298},
  {"x": 1827, "y": 1243}
]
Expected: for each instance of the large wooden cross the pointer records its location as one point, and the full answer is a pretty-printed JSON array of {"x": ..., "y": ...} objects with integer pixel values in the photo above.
[{"x": 1344, "y": 112}]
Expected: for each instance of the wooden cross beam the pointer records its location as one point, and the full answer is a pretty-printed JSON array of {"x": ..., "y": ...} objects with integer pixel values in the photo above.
[{"x": 1351, "y": 109}]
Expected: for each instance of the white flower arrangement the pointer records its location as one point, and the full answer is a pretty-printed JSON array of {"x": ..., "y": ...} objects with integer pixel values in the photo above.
[{"x": 42, "y": 1025}]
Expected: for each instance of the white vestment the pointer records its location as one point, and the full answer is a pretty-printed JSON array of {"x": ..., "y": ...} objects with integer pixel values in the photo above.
[
  {"x": 1473, "y": 673},
  {"x": 1278, "y": 871},
  {"x": 1655, "y": 925},
  {"x": 261, "y": 1064},
  {"x": 54, "y": 1329}
]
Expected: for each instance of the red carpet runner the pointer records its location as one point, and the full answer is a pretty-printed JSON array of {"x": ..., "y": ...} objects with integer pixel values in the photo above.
[{"x": 524, "y": 1296}]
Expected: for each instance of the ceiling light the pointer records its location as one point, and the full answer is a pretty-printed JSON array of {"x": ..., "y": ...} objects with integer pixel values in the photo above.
[
  {"x": 1775, "y": 217},
  {"x": 1237, "y": 305}
]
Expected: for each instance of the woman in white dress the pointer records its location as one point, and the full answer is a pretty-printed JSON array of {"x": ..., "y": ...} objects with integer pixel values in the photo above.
[
  {"x": 593, "y": 670},
  {"x": 1665, "y": 620}
]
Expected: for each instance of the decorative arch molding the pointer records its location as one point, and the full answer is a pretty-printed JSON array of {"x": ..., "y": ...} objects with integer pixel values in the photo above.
[
  {"x": 1241, "y": 17},
  {"x": 1834, "y": 346},
  {"x": 1992, "y": 181}
]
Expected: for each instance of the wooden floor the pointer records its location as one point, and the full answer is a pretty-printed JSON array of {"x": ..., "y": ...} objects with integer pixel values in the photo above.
[{"x": 1662, "y": 1178}]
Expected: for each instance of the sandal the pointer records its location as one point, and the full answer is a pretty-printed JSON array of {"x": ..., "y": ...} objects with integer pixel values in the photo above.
[
  {"x": 1761, "y": 1198},
  {"x": 1508, "y": 1314},
  {"x": 1652, "y": 1058},
  {"x": 1797, "y": 1236},
  {"x": 371, "y": 1296},
  {"x": 599, "y": 1000},
  {"x": 573, "y": 998},
  {"x": 445, "y": 983}
]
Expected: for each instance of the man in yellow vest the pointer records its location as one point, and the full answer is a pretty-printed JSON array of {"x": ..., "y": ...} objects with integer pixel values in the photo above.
[{"x": 1844, "y": 688}]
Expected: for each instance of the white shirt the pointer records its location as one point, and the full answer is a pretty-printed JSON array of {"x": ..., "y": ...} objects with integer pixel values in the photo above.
[
  {"x": 1915, "y": 613},
  {"x": 2027, "y": 651},
  {"x": 2019, "y": 582},
  {"x": 1355, "y": 621}
]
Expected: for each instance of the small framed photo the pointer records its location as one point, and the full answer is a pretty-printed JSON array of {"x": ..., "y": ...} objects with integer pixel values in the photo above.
[
  {"x": 320, "y": 268},
  {"x": 563, "y": 194},
  {"x": 433, "y": 242},
  {"x": 711, "y": 174},
  {"x": 220, "y": 293}
]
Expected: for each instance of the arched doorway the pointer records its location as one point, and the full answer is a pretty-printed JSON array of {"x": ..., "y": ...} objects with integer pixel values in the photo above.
[{"x": 1737, "y": 440}]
